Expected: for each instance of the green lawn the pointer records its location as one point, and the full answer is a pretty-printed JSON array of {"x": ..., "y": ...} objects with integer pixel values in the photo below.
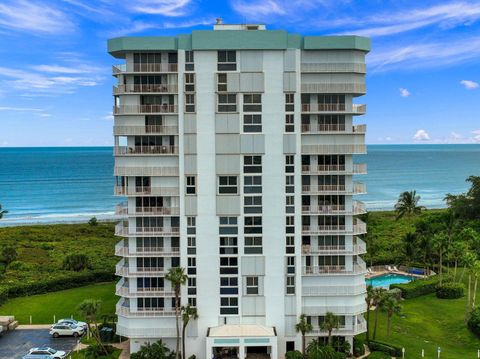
[
  {"x": 427, "y": 323},
  {"x": 62, "y": 304}
]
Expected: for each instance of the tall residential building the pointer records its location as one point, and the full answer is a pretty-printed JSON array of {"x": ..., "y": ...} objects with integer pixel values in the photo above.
[{"x": 234, "y": 148}]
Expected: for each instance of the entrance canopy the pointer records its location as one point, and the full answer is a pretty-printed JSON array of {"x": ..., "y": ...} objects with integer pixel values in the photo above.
[{"x": 242, "y": 330}]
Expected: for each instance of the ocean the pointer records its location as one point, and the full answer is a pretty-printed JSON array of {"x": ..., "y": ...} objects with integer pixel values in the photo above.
[{"x": 70, "y": 184}]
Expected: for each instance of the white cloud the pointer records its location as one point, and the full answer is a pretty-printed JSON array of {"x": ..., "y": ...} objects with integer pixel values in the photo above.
[
  {"x": 421, "y": 135},
  {"x": 33, "y": 17},
  {"x": 172, "y": 8},
  {"x": 108, "y": 117},
  {"x": 455, "y": 136},
  {"x": 404, "y": 92},
  {"x": 80, "y": 69},
  {"x": 469, "y": 85},
  {"x": 254, "y": 9},
  {"x": 139, "y": 26},
  {"x": 21, "y": 109},
  {"x": 476, "y": 136}
]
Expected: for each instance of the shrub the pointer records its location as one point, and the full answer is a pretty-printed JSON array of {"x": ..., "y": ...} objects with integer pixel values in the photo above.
[
  {"x": 94, "y": 351},
  {"x": 193, "y": 356},
  {"x": 474, "y": 321},
  {"x": 378, "y": 355},
  {"x": 9, "y": 254},
  {"x": 358, "y": 347},
  {"x": 294, "y": 354},
  {"x": 417, "y": 287},
  {"x": 76, "y": 262},
  {"x": 385, "y": 348},
  {"x": 396, "y": 293},
  {"x": 450, "y": 291},
  {"x": 157, "y": 350},
  {"x": 20, "y": 266},
  {"x": 93, "y": 221}
]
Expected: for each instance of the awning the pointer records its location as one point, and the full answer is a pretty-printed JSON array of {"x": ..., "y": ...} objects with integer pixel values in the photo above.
[{"x": 241, "y": 330}]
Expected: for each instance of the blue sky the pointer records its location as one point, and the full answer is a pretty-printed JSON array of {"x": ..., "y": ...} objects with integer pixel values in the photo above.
[{"x": 423, "y": 81}]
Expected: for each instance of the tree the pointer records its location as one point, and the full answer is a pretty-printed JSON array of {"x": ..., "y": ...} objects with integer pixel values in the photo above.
[
  {"x": 294, "y": 354},
  {"x": 93, "y": 221},
  {"x": 9, "y": 254},
  {"x": 188, "y": 313},
  {"x": 89, "y": 309},
  {"x": 157, "y": 350},
  {"x": 303, "y": 327},
  {"x": 410, "y": 246},
  {"x": 469, "y": 260},
  {"x": 390, "y": 306},
  {"x": 177, "y": 277},
  {"x": 476, "y": 273},
  {"x": 440, "y": 244},
  {"x": 330, "y": 322},
  {"x": 407, "y": 204},
  {"x": 316, "y": 350},
  {"x": 76, "y": 262},
  {"x": 369, "y": 301},
  {"x": 2, "y": 212},
  {"x": 466, "y": 205},
  {"x": 378, "y": 295}
]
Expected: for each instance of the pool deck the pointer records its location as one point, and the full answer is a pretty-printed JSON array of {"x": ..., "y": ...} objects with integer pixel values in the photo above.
[{"x": 375, "y": 274}]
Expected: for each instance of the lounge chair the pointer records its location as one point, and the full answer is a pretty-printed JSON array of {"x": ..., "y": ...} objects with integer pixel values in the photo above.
[
  {"x": 395, "y": 269},
  {"x": 389, "y": 268}
]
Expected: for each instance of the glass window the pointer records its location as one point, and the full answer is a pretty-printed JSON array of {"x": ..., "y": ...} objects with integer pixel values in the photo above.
[
  {"x": 252, "y": 123},
  {"x": 227, "y": 185},
  {"x": 189, "y": 103},
  {"x": 227, "y": 102},
  {"x": 252, "y": 102},
  {"x": 252, "y": 285},
  {"x": 227, "y": 60},
  {"x": 191, "y": 182}
]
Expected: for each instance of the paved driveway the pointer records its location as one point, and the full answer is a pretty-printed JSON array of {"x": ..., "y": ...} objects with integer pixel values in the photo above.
[{"x": 16, "y": 344}]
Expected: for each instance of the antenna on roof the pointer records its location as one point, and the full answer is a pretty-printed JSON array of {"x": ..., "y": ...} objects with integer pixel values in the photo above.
[{"x": 218, "y": 21}]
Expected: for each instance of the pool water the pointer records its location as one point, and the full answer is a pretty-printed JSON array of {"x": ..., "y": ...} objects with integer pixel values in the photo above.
[{"x": 385, "y": 280}]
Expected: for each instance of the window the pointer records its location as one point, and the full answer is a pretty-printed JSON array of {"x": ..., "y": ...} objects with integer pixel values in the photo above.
[
  {"x": 189, "y": 59},
  {"x": 252, "y": 184},
  {"x": 289, "y": 163},
  {"x": 290, "y": 204},
  {"x": 191, "y": 185},
  {"x": 289, "y": 123},
  {"x": 252, "y": 285},
  {"x": 252, "y": 225},
  {"x": 191, "y": 243},
  {"x": 227, "y": 185},
  {"x": 228, "y": 245},
  {"x": 253, "y": 245},
  {"x": 228, "y": 225},
  {"x": 189, "y": 82},
  {"x": 227, "y": 102},
  {"x": 252, "y": 102},
  {"x": 227, "y": 60},
  {"x": 289, "y": 102},
  {"x": 290, "y": 244},
  {"x": 190, "y": 102},
  {"x": 228, "y": 305},
  {"x": 222, "y": 82},
  {"x": 290, "y": 285},
  {"x": 252, "y": 204},
  {"x": 252, "y": 164},
  {"x": 228, "y": 285},
  {"x": 228, "y": 265},
  {"x": 252, "y": 123},
  {"x": 192, "y": 302},
  {"x": 290, "y": 184},
  {"x": 291, "y": 265},
  {"x": 191, "y": 265}
]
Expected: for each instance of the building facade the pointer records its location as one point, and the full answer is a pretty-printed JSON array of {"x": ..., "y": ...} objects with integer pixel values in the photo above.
[{"x": 234, "y": 149}]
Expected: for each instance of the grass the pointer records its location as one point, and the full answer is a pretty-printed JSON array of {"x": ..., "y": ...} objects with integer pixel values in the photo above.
[
  {"x": 81, "y": 354},
  {"x": 62, "y": 304}
]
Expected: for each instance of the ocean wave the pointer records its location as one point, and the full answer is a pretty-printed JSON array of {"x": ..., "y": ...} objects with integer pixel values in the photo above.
[{"x": 56, "y": 218}]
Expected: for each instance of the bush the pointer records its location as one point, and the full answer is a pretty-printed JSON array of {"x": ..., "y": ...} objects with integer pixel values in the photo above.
[
  {"x": 417, "y": 287},
  {"x": 385, "y": 348},
  {"x": 193, "y": 356},
  {"x": 379, "y": 355},
  {"x": 9, "y": 254},
  {"x": 358, "y": 347},
  {"x": 295, "y": 354},
  {"x": 474, "y": 321},
  {"x": 94, "y": 351},
  {"x": 93, "y": 221},
  {"x": 76, "y": 262},
  {"x": 450, "y": 291},
  {"x": 396, "y": 293},
  {"x": 20, "y": 266}
]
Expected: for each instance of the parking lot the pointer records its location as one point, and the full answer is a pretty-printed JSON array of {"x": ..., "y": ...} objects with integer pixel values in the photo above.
[{"x": 16, "y": 344}]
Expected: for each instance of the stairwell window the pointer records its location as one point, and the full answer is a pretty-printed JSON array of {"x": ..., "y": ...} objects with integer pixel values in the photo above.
[
  {"x": 190, "y": 103},
  {"x": 289, "y": 122},
  {"x": 252, "y": 123},
  {"x": 227, "y": 60},
  {"x": 252, "y": 102},
  {"x": 222, "y": 82},
  {"x": 252, "y": 285},
  {"x": 189, "y": 82},
  {"x": 189, "y": 61},
  {"x": 253, "y": 245},
  {"x": 289, "y": 102},
  {"x": 227, "y": 102},
  {"x": 191, "y": 185},
  {"x": 290, "y": 281}
]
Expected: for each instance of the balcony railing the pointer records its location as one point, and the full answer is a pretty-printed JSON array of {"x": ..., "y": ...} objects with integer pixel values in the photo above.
[
  {"x": 354, "y": 109},
  {"x": 141, "y": 109},
  {"x": 359, "y": 227},
  {"x": 358, "y": 248},
  {"x": 335, "y": 269},
  {"x": 334, "y": 149},
  {"x": 159, "y": 67},
  {"x": 357, "y": 208},
  {"x": 122, "y": 250},
  {"x": 355, "y": 329},
  {"x": 333, "y": 290},
  {"x": 144, "y": 130},
  {"x": 359, "y": 168},
  {"x": 353, "y": 88},
  {"x": 121, "y": 230},
  {"x": 126, "y": 312},
  {"x": 145, "y": 332},
  {"x": 121, "y": 209},
  {"x": 355, "y": 309},
  {"x": 358, "y": 188},
  {"x": 146, "y": 191},
  {"x": 124, "y": 271},
  {"x": 124, "y": 291},
  {"x": 145, "y": 171},
  {"x": 333, "y": 128},
  {"x": 134, "y": 88},
  {"x": 145, "y": 150},
  {"x": 334, "y": 67},
  {"x": 161, "y": 211},
  {"x": 359, "y": 129},
  {"x": 323, "y": 168}
]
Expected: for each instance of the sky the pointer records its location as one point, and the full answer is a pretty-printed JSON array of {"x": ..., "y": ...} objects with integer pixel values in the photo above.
[{"x": 55, "y": 74}]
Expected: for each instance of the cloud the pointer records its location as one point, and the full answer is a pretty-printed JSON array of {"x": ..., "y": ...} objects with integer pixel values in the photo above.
[
  {"x": 33, "y": 17},
  {"x": 21, "y": 109},
  {"x": 469, "y": 85},
  {"x": 404, "y": 92},
  {"x": 421, "y": 135},
  {"x": 108, "y": 117},
  {"x": 139, "y": 26},
  {"x": 455, "y": 136},
  {"x": 171, "y": 8},
  {"x": 254, "y": 9},
  {"x": 82, "y": 69},
  {"x": 476, "y": 136}
]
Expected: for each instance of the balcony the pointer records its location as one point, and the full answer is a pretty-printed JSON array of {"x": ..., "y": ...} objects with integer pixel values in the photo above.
[
  {"x": 327, "y": 209},
  {"x": 124, "y": 251},
  {"x": 335, "y": 269},
  {"x": 350, "y": 88},
  {"x": 122, "y": 210},
  {"x": 358, "y": 188},
  {"x": 136, "y": 68},
  {"x": 124, "y": 291},
  {"x": 354, "y": 329},
  {"x": 359, "y": 227},
  {"x": 127, "y": 312},
  {"x": 358, "y": 248},
  {"x": 334, "y": 149},
  {"x": 145, "y": 130},
  {"x": 124, "y": 271},
  {"x": 145, "y": 171},
  {"x": 359, "y": 168},
  {"x": 353, "y": 109},
  {"x": 323, "y": 169},
  {"x": 138, "y": 89},
  {"x": 333, "y": 67},
  {"x": 355, "y": 309},
  {"x": 144, "y": 109},
  {"x": 319, "y": 128},
  {"x": 146, "y": 191},
  {"x": 125, "y": 231},
  {"x": 139, "y": 333},
  {"x": 333, "y": 290},
  {"x": 145, "y": 150}
]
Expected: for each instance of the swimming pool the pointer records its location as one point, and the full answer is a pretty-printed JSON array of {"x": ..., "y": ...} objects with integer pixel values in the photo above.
[{"x": 385, "y": 280}]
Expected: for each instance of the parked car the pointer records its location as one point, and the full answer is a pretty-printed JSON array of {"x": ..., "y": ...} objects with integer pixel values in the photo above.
[
  {"x": 73, "y": 322},
  {"x": 58, "y": 330},
  {"x": 32, "y": 356},
  {"x": 38, "y": 352}
]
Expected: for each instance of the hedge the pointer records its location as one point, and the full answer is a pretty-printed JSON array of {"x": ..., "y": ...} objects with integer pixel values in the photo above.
[
  {"x": 73, "y": 280},
  {"x": 417, "y": 287},
  {"x": 379, "y": 355},
  {"x": 474, "y": 321},
  {"x": 389, "y": 349},
  {"x": 358, "y": 347},
  {"x": 450, "y": 291}
]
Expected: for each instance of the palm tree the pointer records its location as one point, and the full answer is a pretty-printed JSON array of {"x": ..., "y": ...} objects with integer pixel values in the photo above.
[
  {"x": 458, "y": 248},
  {"x": 476, "y": 273},
  {"x": 303, "y": 327},
  {"x": 369, "y": 301},
  {"x": 469, "y": 260},
  {"x": 440, "y": 243},
  {"x": 330, "y": 322},
  {"x": 378, "y": 295},
  {"x": 2, "y": 212},
  {"x": 410, "y": 246},
  {"x": 407, "y": 204},
  {"x": 177, "y": 277},
  {"x": 188, "y": 313},
  {"x": 389, "y": 305},
  {"x": 89, "y": 309}
]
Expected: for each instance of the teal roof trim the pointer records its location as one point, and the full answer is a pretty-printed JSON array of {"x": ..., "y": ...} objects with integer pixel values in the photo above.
[
  {"x": 119, "y": 46},
  {"x": 336, "y": 43},
  {"x": 185, "y": 42},
  {"x": 239, "y": 40}
]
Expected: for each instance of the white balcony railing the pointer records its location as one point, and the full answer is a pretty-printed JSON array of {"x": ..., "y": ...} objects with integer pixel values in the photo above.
[
  {"x": 359, "y": 168},
  {"x": 146, "y": 191},
  {"x": 323, "y": 169},
  {"x": 358, "y": 268},
  {"x": 333, "y": 290},
  {"x": 122, "y": 210},
  {"x": 145, "y": 130},
  {"x": 353, "y": 88},
  {"x": 145, "y": 150},
  {"x": 123, "y": 230},
  {"x": 146, "y": 332},
  {"x": 127, "y": 312},
  {"x": 145, "y": 171},
  {"x": 333, "y": 67},
  {"x": 359, "y": 227},
  {"x": 123, "y": 251},
  {"x": 158, "y": 67},
  {"x": 126, "y": 292},
  {"x": 354, "y": 109},
  {"x": 334, "y": 149},
  {"x": 355, "y": 329},
  {"x": 141, "y": 109},
  {"x": 124, "y": 271},
  {"x": 151, "y": 88},
  {"x": 337, "y": 309}
]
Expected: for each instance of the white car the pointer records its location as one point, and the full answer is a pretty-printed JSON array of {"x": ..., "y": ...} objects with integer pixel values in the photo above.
[
  {"x": 47, "y": 351},
  {"x": 58, "y": 330},
  {"x": 73, "y": 322}
]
